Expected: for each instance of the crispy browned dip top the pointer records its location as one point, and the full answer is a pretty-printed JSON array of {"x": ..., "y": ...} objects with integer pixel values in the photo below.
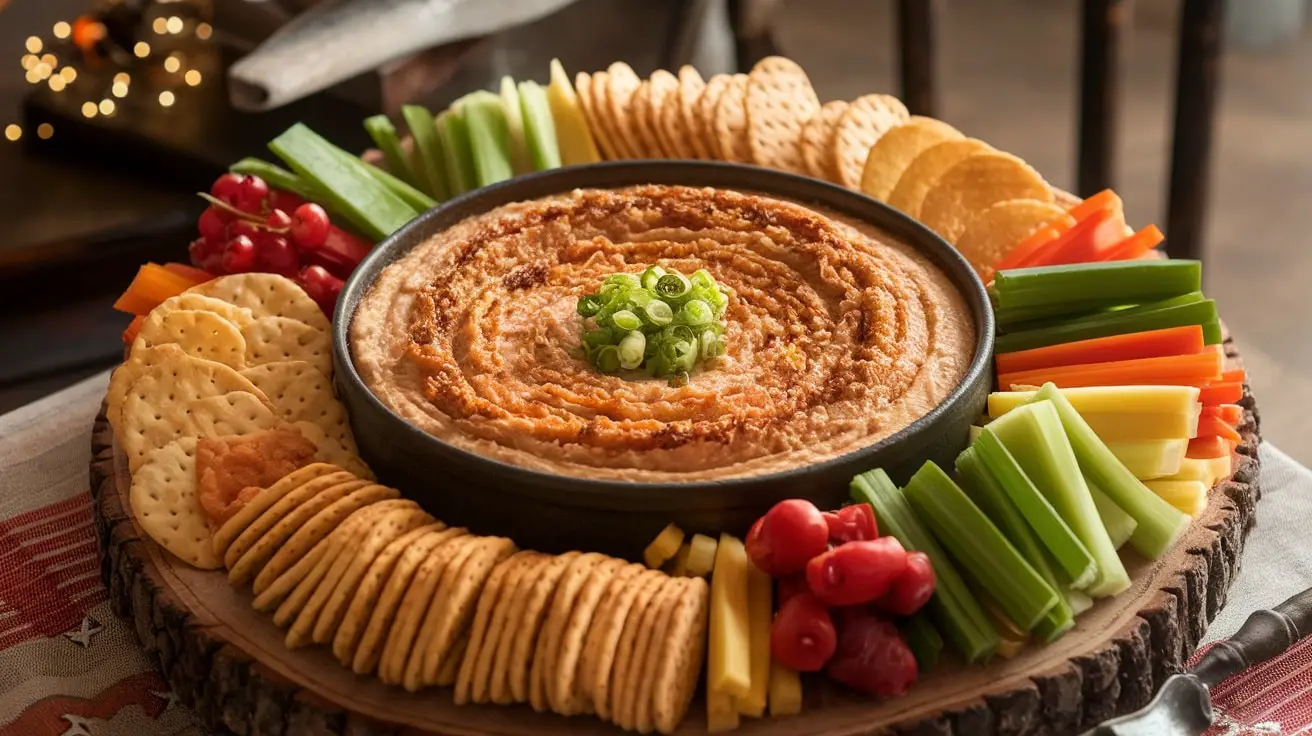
[{"x": 837, "y": 336}]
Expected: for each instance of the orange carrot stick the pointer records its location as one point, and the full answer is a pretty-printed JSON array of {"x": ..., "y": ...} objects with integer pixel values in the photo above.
[
  {"x": 151, "y": 286},
  {"x": 1231, "y": 414},
  {"x": 1083, "y": 243},
  {"x": 1221, "y": 392},
  {"x": 1039, "y": 238},
  {"x": 1151, "y": 344},
  {"x": 1206, "y": 448},
  {"x": 196, "y": 275},
  {"x": 1236, "y": 374},
  {"x": 1106, "y": 200},
  {"x": 1213, "y": 426},
  {"x": 1135, "y": 246},
  {"x": 1198, "y": 369},
  {"x": 133, "y": 328}
]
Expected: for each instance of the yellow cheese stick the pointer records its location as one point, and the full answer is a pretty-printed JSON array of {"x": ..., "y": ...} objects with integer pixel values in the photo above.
[
  {"x": 663, "y": 546},
  {"x": 1151, "y": 459},
  {"x": 785, "y": 691},
  {"x": 573, "y": 135},
  {"x": 760, "y": 607},
  {"x": 677, "y": 566},
  {"x": 1190, "y": 496},
  {"x": 1207, "y": 471},
  {"x": 1108, "y": 400},
  {"x": 721, "y": 715},
  {"x": 729, "y": 661},
  {"x": 701, "y": 556}
]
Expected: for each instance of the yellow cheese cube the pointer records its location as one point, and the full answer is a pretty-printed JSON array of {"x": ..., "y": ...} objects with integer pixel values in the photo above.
[
  {"x": 785, "y": 690},
  {"x": 677, "y": 567},
  {"x": 573, "y": 135},
  {"x": 1108, "y": 400},
  {"x": 721, "y": 714},
  {"x": 760, "y": 611},
  {"x": 1151, "y": 459},
  {"x": 1190, "y": 496},
  {"x": 701, "y": 556},
  {"x": 663, "y": 546},
  {"x": 729, "y": 660}
]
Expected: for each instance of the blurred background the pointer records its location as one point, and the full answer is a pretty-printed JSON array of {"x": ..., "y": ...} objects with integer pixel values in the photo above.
[{"x": 114, "y": 113}]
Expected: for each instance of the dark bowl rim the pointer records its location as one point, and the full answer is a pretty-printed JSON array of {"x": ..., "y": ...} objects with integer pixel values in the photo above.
[{"x": 615, "y": 174}]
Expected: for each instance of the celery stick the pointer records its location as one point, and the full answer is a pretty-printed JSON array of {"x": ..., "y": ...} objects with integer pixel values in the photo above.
[
  {"x": 1073, "y": 559},
  {"x": 954, "y": 609},
  {"x": 1034, "y": 435},
  {"x": 988, "y": 495},
  {"x": 1212, "y": 334},
  {"x": 977, "y": 545},
  {"x": 923, "y": 639},
  {"x": 1120, "y": 525},
  {"x": 428, "y": 155},
  {"x": 1159, "y": 523},
  {"x": 383, "y": 133},
  {"x": 489, "y": 137},
  {"x": 453, "y": 132},
  {"x": 1103, "y": 284},
  {"x": 276, "y": 177},
  {"x": 519, "y": 159},
  {"x": 1078, "y": 601},
  {"x": 1155, "y": 316},
  {"x": 344, "y": 181},
  {"x": 539, "y": 129},
  {"x": 412, "y": 196}
]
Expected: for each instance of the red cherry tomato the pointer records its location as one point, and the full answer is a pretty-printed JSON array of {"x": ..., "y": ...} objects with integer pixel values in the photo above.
[
  {"x": 852, "y": 524},
  {"x": 912, "y": 589},
  {"x": 802, "y": 636},
  {"x": 790, "y": 586},
  {"x": 310, "y": 227},
  {"x": 871, "y": 657},
  {"x": 787, "y": 537},
  {"x": 211, "y": 225},
  {"x": 243, "y": 227},
  {"x": 857, "y": 572}
]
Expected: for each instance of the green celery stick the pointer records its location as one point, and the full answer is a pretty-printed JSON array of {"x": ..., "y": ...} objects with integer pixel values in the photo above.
[
  {"x": 1033, "y": 434},
  {"x": 1159, "y": 523},
  {"x": 1145, "y": 317},
  {"x": 976, "y": 545},
  {"x": 953, "y": 607},
  {"x": 344, "y": 181},
  {"x": 277, "y": 178},
  {"x": 412, "y": 196},
  {"x": 489, "y": 137},
  {"x": 427, "y": 157},
  {"x": 1106, "y": 284},
  {"x": 1120, "y": 525},
  {"x": 453, "y": 131},
  {"x": 1074, "y": 562},
  {"x": 1212, "y": 334},
  {"x": 923, "y": 639},
  {"x": 384, "y": 135},
  {"x": 987, "y": 493},
  {"x": 1078, "y": 601},
  {"x": 539, "y": 128},
  {"x": 1124, "y": 311},
  {"x": 519, "y": 159}
]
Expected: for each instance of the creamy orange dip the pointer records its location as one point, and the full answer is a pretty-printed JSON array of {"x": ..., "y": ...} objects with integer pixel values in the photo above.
[{"x": 837, "y": 336}]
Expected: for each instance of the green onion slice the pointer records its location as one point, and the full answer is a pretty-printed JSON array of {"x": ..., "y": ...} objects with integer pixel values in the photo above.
[
  {"x": 626, "y": 320},
  {"x": 672, "y": 286},
  {"x": 659, "y": 313},
  {"x": 608, "y": 359},
  {"x": 696, "y": 313},
  {"x": 632, "y": 349},
  {"x": 651, "y": 276}
]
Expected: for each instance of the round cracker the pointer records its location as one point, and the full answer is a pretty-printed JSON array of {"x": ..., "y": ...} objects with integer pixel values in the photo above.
[
  {"x": 411, "y": 675},
  {"x": 705, "y": 114},
  {"x": 369, "y": 651},
  {"x": 449, "y": 617},
  {"x": 237, "y": 523},
  {"x": 679, "y": 665},
  {"x": 588, "y": 102},
  {"x": 489, "y": 622},
  {"x": 730, "y": 121},
  {"x": 446, "y": 677},
  {"x": 621, "y": 83},
  {"x": 298, "y": 391},
  {"x": 659, "y": 646},
  {"x": 265, "y": 295},
  {"x": 688, "y": 98},
  {"x": 538, "y": 600},
  {"x": 817, "y": 141},
  {"x": 665, "y": 117},
  {"x": 138, "y": 364},
  {"x": 866, "y": 119},
  {"x": 926, "y": 169},
  {"x": 201, "y": 334},
  {"x": 616, "y": 642},
  {"x": 338, "y": 449},
  {"x": 995, "y": 231},
  {"x": 275, "y": 339},
  {"x": 548, "y": 645},
  {"x": 263, "y": 511},
  {"x": 614, "y": 603},
  {"x": 896, "y": 149},
  {"x": 498, "y": 676},
  {"x": 779, "y": 101},
  {"x": 626, "y": 710},
  {"x": 371, "y": 587},
  {"x": 562, "y": 678},
  {"x": 650, "y": 142},
  {"x": 287, "y": 516},
  {"x": 973, "y": 185},
  {"x": 187, "y": 300},
  {"x": 277, "y": 593},
  {"x": 166, "y": 503},
  {"x": 414, "y": 606}
]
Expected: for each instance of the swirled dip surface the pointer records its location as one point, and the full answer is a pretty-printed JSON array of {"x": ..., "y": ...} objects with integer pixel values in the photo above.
[{"x": 837, "y": 336}]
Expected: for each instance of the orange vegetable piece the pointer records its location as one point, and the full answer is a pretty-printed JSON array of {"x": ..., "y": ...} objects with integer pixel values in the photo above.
[
  {"x": 1135, "y": 246},
  {"x": 1209, "y": 426},
  {"x": 1236, "y": 374},
  {"x": 1231, "y": 414},
  {"x": 151, "y": 286},
  {"x": 1206, "y": 448},
  {"x": 1104, "y": 201},
  {"x": 1198, "y": 369},
  {"x": 133, "y": 328},
  {"x": 1083, "y": 243},
  {"x": 1221, "y": 392},
  {"x": 1039, "y": 238},
  {"x": 197, "y": 275},
  {"x": 1151, "y": 344}
]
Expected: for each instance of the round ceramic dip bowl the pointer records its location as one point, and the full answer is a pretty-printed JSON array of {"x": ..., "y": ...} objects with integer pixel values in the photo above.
[{"x": 856, "y": 338}]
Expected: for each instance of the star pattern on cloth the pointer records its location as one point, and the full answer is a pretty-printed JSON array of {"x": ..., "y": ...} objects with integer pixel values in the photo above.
[
  {"x": 169, "y": 697},
  {"x": 82, "y": 635},
  {"x": 77, "y": 725}
]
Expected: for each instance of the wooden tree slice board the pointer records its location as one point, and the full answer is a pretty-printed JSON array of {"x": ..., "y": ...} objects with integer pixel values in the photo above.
[{"x": 227, "y": 661}]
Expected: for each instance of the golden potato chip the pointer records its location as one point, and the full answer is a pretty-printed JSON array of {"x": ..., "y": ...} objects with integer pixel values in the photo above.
[
  {"x": 779, "y": 101},
  {"x": 992, "y": 233},
  {"x": 707, "y": 104},
  {"x": 277, "y": 339},
  {"x": 665, "y": 120},
  {"x": 237, "y": 523},
  {"x": 621, "y": 83},
  {"x": 866, "y": 119},
  {"x": 266, "y": 295},
  {"x": 166, "y": 505},
  {"x": 589, "y": 104},
  {"x": 731, "y": 121},
  {"x": 896, "y": 149},
  {"x": 203, "y": 335},
  {"x": 691, "y": 87},
  {"x": 972, "y": 185},
  {"x": 817, "y": 141},
  {"x": 641, "y": 122},
  {"x": 926, "y": 169}
]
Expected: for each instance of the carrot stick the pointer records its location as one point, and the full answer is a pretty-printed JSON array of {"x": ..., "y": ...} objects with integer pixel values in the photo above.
[
  {"x": 1039, "y": 238},
  {"x": 1236, "y": 374},
  {"x": 1083, "y": 243},
  {"x": 1135, "y": 246},
  {"x": 1221, "y": 392},
  {"x": 1198, "y": 369},
  {"x": 151, "y": 286},
  {"x": 1106, "y": 200},
  {"x": 1151, "y": 344},
  {"x": 1231, "y": 414},
  {"x": 1213, "y": 426},
  {"x": 134, "y": 327},
  {"x": 1206, "y": 448},
  {"x": 196, "y": 275}
]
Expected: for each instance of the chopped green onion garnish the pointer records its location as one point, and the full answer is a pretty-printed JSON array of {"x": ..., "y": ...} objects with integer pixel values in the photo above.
[
  {"x": 626, "y": 320},
  {"x": 696, "y": 313},
  {"x": 672, "y": 286},
  {"x": 659, "y": 313},
  {"x": 651, "y": 276},
  {"x": 632, "y": 348},
  {"x": 608, "y": 359},
  {"x": 589, "y": 305}
]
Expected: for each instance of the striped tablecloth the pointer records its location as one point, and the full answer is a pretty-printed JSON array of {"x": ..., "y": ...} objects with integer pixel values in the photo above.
[{"x": 70, "y": 667}]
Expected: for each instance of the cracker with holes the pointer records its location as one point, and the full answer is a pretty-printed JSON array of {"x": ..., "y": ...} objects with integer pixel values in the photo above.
[
  {"x": 621, "y": 84},
  {"x": 688, "y": 99},
  {"x": 338, "y": 448},
  {"x": 817, "y": 141},
  {"x": 663, "y": 115},
  {"x": 279, "y": 339},
  {"x": 585, "y": 85},
  {"x": 562, "y": 680},
  {"x": 730, "y": 121},
  {"x": 265, "y": 295},
  {"x": 779, "y": 101},
  {"x": 866, "y": 119},
  {"x": 553, "y": 626},
  {"x": 187, "y": 301},
  {"x": 266, "y": 498},
  {"x": 204, "y": 335},
  {"x": 705, "y": 115},
  {"x": 166, "y": 504}
]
